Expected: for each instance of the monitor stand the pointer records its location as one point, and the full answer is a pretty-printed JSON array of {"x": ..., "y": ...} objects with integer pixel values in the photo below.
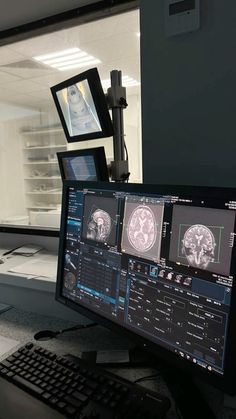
[{"x": 121, "y": 358}]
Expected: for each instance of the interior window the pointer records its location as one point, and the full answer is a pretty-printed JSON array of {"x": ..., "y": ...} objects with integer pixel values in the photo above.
[{"x": 30, "y": 130}]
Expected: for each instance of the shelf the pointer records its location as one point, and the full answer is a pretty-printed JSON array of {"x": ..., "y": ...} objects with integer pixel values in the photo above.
[
  {"x": 43, "y": 178},
  {"x": 42, "y": 162},
  {"x": 44, "y": 193},
  {"x": 45, "y": 147},
  {"x": 45, "y": 207},
  {"x": 39, "y": 147},
  {"x": 43, "y": 131}
]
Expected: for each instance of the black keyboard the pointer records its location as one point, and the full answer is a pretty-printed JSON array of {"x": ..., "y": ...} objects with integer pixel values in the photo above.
[{"x": 78, "y": 390}]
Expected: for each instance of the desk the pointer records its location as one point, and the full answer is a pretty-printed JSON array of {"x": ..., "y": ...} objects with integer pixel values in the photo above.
[
  {"x": 23, "y": 291},
  {"x": 21, "y": 325}
]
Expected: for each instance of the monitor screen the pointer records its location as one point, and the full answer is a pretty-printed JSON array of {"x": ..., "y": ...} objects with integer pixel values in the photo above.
[
  {"x": 157, "y": 263},
  {"x": 82, "y": 108},
  {"x": 89, "y": 164}
]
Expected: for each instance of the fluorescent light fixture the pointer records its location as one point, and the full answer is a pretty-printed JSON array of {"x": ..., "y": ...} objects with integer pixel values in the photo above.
[
  {"x": 76, "y": 61},
  {"x": 127, "y": 81},
  {"x": 79, "y": 65},
  {"x": 67, "y": 59},
  {"x": 56, "y": 54}
]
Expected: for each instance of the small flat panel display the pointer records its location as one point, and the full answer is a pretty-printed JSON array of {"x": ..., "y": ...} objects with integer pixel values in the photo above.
[
  {"x": 157, "y": 263},
  {"x": 89, "y": 164},
  {"x": 82, "y": 107}
]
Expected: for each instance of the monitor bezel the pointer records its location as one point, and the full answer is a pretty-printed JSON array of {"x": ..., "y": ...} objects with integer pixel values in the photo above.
[
  {"x": 99, "y": 98},
  {"x": 226, "y": 382},
  {"x": 98, "y": 154}
]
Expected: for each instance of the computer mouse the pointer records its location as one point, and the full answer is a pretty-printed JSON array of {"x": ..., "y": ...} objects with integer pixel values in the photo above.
[{"x": 46, "y": 335}]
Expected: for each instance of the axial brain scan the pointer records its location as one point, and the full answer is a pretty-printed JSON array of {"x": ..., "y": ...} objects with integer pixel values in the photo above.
[
  {"x": 198, "y": 245},
  {"x": 99, "y": 226},
  {"x": 142, "y": 229}
]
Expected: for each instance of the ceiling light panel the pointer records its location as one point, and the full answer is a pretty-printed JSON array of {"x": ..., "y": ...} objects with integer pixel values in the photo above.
[
  {"x": 127, "y": 81},
  {"x": 67, "y": 59},
  {"x": 79, "y": 65},
  {"x": 65, "y": 52}
]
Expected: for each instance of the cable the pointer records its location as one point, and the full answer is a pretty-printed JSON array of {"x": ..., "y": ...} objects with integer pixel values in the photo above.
[
  {"x": 78, "y": 327},
  {"x": 126, "y": 151},
  {"x": 147, "y": 378},
  {"x": 50, "y": 334}
]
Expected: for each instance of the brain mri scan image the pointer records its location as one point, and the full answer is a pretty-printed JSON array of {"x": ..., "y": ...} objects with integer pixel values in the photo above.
[
  {"x": 99, "y": 226},
  {"x": 81, "y": 117},
  {"x": 198, "y": 245},
  {"x": 100, "y": 219},
  {"x": 69, "y": 281},
  {"x": 142, "y": 229},
  {"x": 200, "y": 237}
]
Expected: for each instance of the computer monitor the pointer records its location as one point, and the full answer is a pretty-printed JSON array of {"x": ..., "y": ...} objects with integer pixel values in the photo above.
[
  {"x": 156, "y": 263},
  {"x": 82, "y": 108},
  {"x": 88, "y": 164}
]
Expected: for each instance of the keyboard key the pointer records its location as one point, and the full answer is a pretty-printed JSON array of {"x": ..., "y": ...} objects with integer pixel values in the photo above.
[
  {"x": 79, "y": 396},
  {"x": 75, "y": 402},
  {"x": 27, "y": 384},
  {"x": 70, "y": 410}
]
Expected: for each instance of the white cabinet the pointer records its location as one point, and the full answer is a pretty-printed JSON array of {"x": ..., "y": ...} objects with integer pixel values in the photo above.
[{"x": 42, "y": 180}]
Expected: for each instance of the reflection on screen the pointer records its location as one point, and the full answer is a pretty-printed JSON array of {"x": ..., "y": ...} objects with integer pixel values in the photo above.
[
  {"x": 79, "y": 168},
  {"x": 78, "y": 109}
]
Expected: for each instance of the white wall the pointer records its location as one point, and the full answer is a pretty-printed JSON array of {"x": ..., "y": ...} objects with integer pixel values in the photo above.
[{"x": 188, "y": 97}]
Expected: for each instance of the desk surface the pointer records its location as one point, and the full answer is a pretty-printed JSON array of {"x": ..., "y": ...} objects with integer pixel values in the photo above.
[{"x": 21, "y": 326}]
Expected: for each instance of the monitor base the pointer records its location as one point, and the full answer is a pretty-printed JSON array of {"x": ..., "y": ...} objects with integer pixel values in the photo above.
[{"x": 125, "y": 358}]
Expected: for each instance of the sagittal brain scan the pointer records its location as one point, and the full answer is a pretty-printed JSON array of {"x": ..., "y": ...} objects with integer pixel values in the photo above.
[
  {"x": 99, "y": 221},
  {"x": 198, "y": 245},
  {"x": 201, "y": 238},
  {"x": 99, "y": 226},
  {"x": 142, "y": 228}
]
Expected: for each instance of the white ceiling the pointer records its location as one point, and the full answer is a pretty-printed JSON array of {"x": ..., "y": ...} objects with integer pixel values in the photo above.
[{"x": 113, "y": 40}]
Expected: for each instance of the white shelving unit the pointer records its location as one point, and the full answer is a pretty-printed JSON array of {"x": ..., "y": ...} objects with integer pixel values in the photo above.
[{"x": 42, "y": 180}]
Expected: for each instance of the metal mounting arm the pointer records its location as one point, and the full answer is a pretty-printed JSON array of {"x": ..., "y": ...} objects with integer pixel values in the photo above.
[{"x": 116, "y": 98}]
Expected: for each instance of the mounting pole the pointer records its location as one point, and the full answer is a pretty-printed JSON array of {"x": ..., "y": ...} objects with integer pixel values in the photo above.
[{"x": 116, "y": 97}]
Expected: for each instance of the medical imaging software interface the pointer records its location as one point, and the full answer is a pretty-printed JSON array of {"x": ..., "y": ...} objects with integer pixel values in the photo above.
[{"x": 159, "y": 266}]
